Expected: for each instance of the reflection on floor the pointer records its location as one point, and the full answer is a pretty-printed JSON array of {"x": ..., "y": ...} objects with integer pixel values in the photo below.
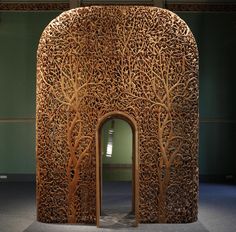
[
  {"x": 117, "y": 205},
  {"x": 217, "y": 212},
  {"x": 116, "y": 219}
]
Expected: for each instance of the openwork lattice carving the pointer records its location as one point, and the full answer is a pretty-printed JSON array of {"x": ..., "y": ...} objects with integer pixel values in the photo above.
[{"x": 142, "y": 61}]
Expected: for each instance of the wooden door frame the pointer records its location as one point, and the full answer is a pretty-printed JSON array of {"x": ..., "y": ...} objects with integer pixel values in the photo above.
[{"x": 135, "y": 162}]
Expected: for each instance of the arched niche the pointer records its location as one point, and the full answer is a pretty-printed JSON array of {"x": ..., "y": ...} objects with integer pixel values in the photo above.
[
  {"x": 141, "y": 62},
  {"x": 135, "y": 166}
]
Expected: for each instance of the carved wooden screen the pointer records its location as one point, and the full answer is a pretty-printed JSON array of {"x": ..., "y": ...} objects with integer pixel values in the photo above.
[{"x": 141, "y": 61}]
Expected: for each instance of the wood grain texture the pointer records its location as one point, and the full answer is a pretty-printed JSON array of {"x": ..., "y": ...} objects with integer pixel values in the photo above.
[{"x": 141, "y": 61}]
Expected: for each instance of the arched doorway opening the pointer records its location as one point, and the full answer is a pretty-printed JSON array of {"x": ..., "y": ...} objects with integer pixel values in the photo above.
[{"x": 110, "y": 210}]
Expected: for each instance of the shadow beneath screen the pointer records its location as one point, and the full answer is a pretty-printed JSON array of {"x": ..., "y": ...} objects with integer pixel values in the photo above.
[
  {"x": 51, "y": 227},
  {"x": 45, "y": 227}
]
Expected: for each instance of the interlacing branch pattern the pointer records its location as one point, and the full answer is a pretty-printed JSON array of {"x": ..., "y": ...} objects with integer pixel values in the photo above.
[{"x": 142, "y": 61}]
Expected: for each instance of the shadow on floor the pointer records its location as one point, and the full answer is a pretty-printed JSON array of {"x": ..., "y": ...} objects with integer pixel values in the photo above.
[{"x": 44, "y": 227}]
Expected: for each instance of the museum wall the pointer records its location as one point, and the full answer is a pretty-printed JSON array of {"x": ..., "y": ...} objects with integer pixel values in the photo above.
[
  {"x": 215, "y": 33},
  {"x": 19, "y": 36},
  {"x": 119, "y": 165}
]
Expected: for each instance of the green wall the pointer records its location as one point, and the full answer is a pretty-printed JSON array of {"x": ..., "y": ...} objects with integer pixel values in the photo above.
[
  {"x": 216, "y": 37},
  {"x": 19, "y": 36},
  {"x": 118, "y": 166},
  {"x": 122, "y": 142}
]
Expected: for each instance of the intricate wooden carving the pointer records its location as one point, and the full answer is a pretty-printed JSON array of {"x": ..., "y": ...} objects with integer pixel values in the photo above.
[{"x": 142, "y": 61}]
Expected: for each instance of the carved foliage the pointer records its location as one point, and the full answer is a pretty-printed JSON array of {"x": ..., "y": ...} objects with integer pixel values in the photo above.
[{"x": 142, "y": 61}]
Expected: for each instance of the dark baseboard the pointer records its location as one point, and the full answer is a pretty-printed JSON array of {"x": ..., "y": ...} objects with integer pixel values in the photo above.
[
  {"x": 202, "y": 179},
  {"x": 117, "y": 166},
  {"x": 217, "y": 179},
  {"x": 6, "y": 177}
]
